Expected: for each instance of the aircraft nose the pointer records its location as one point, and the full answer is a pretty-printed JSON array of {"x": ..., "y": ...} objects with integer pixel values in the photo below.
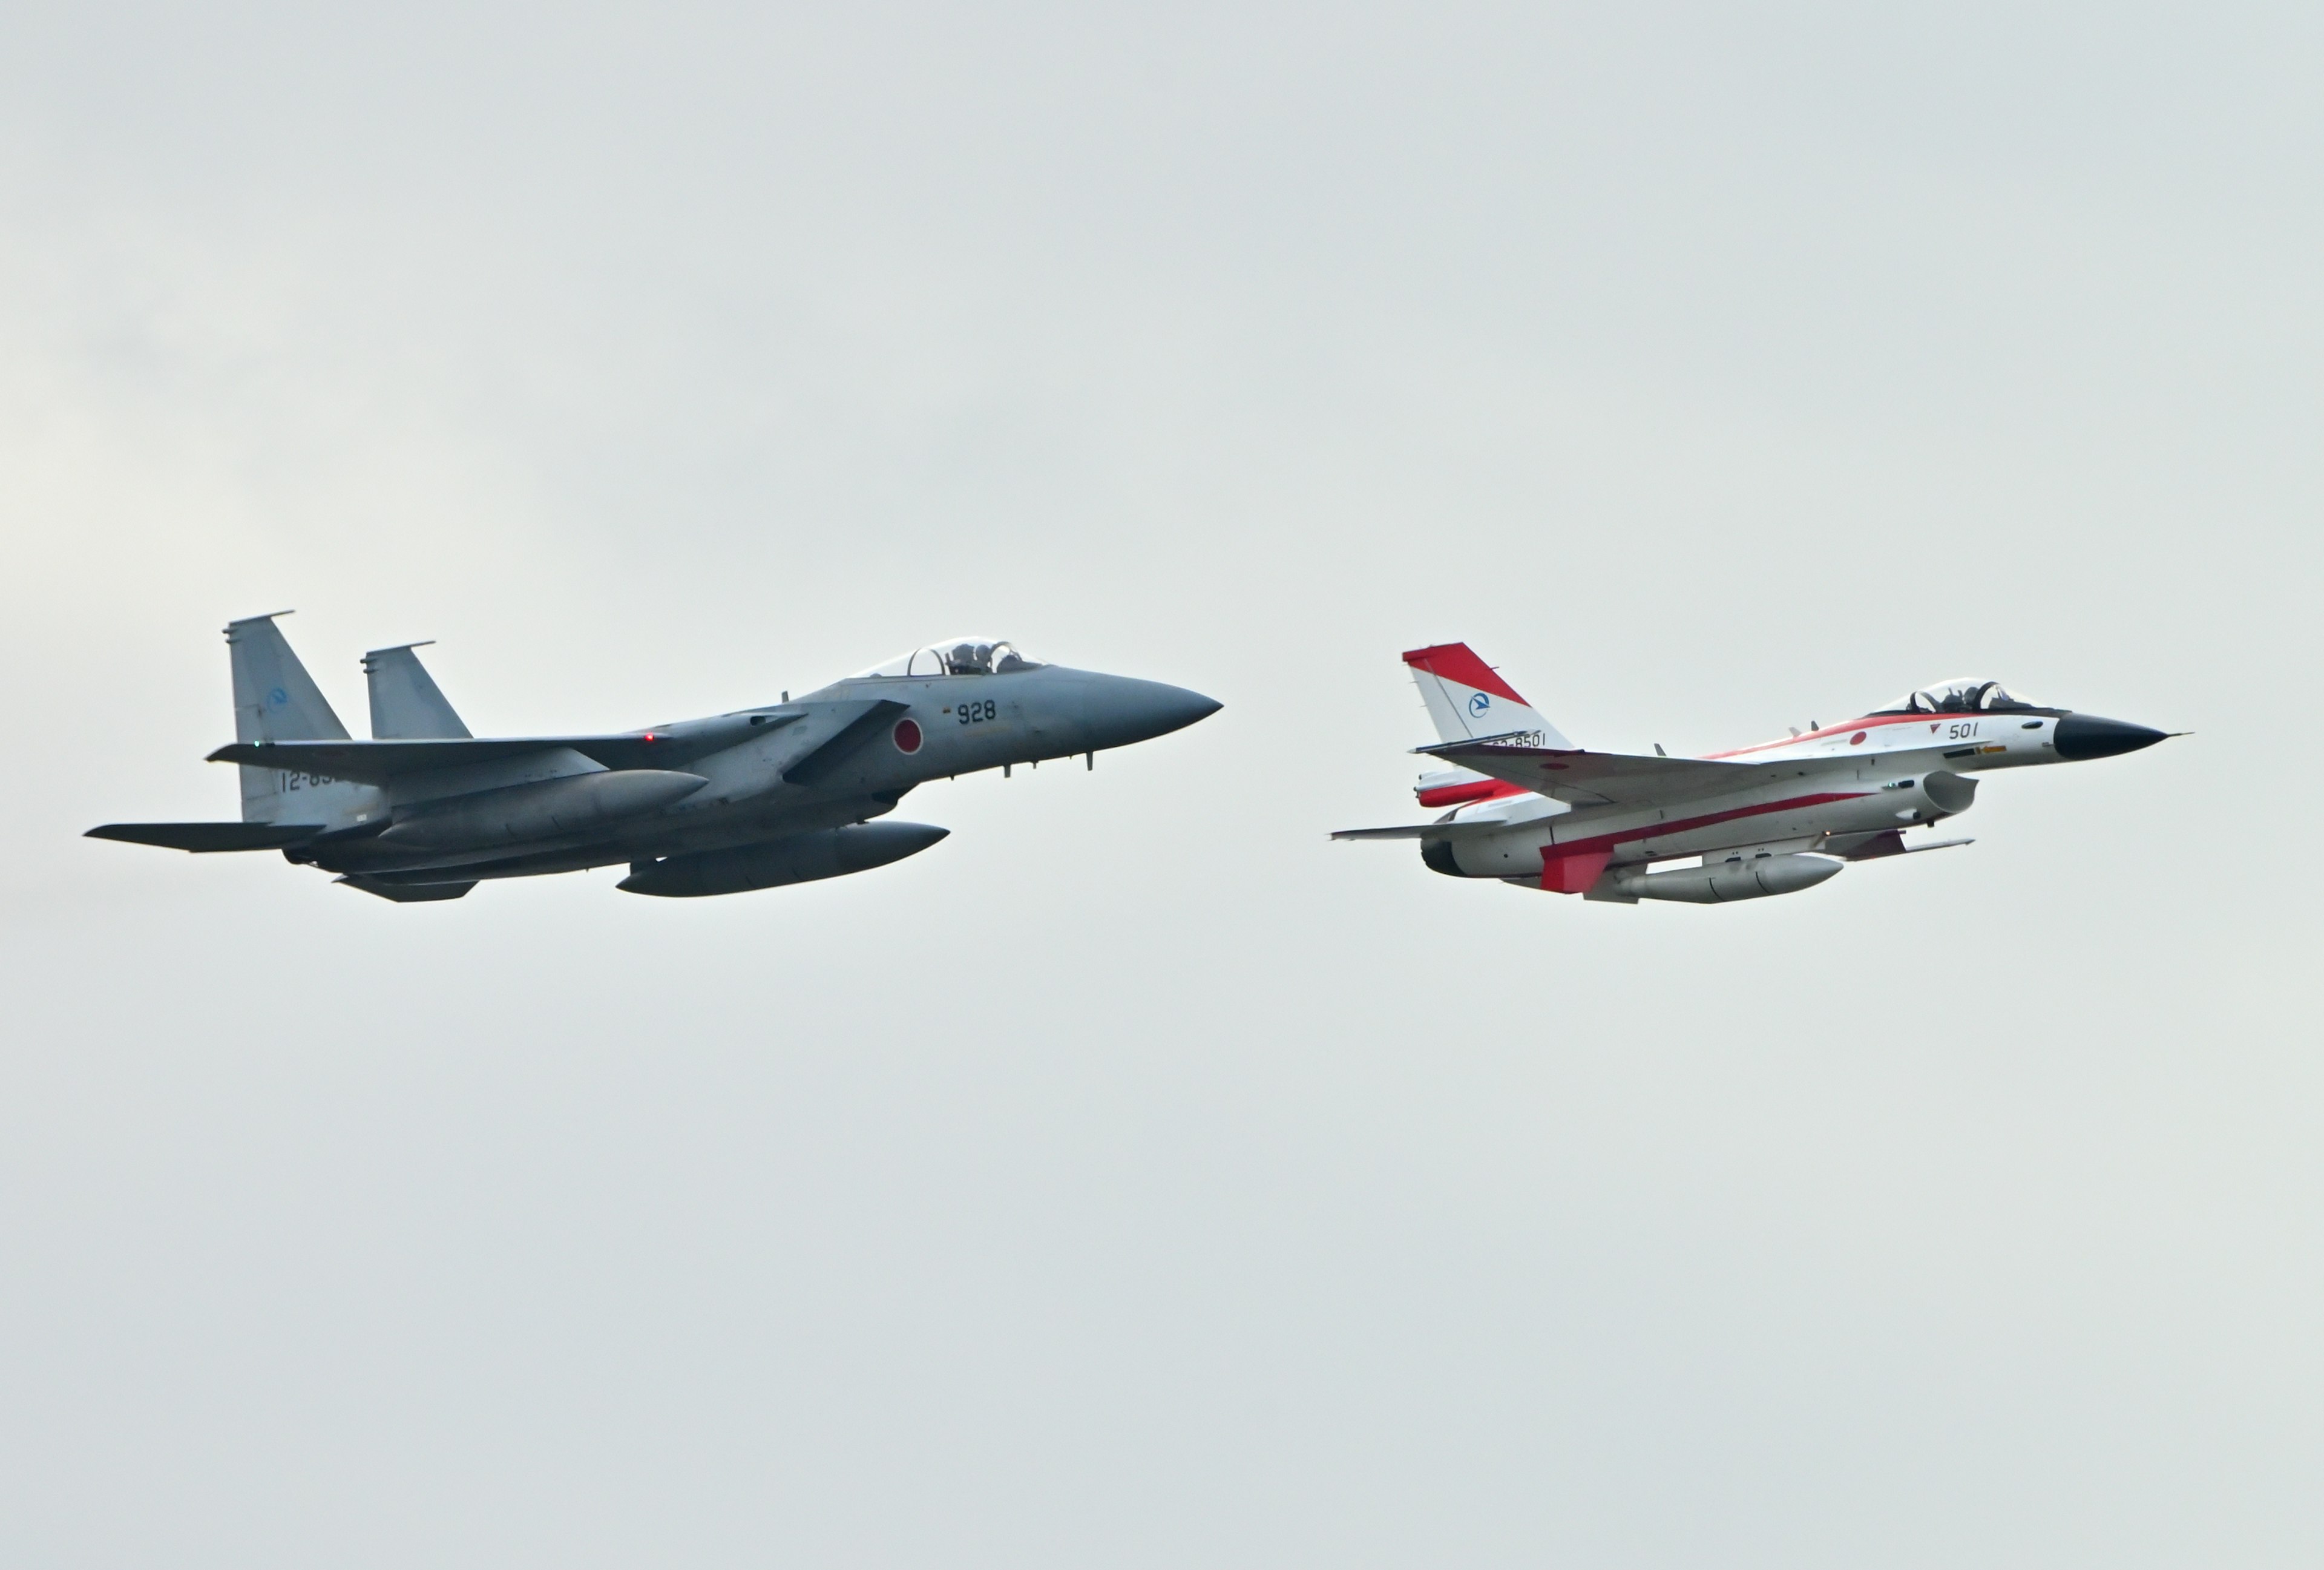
[
  {"x": 1123, "y": 710},
  {"x": 2083, "y": 736}
]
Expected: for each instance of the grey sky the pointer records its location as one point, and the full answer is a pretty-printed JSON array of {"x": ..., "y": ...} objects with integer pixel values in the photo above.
[{"x": 1138, "y": 1179}]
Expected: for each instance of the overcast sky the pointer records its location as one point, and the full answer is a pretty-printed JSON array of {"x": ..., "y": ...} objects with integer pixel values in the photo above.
[{"x": 1138, "y": 1179}]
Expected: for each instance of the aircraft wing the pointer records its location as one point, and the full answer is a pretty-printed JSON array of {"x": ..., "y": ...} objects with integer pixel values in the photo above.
[
  {"x": 379, "y": 763},
  {"x": 1596, "y": 779},
  {"x": 840, "y": 728}
]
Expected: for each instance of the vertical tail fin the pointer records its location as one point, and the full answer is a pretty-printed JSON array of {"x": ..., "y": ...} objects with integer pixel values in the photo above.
[
  {"x": 275, "y": 700},
  {"x": 1468, "y": 699},
  {"x": 406, "y": 704}
]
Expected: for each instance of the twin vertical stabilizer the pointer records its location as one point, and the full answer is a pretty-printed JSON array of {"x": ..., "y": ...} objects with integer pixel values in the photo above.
[
  {"x": 406, "y": 704},
  {"x": 275, "y": 700}
]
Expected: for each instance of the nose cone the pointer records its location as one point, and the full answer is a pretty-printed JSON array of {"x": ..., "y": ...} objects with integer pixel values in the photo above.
[
  {"x": 1123, "y": 710},
  {"x": 2082, "y": 737}
]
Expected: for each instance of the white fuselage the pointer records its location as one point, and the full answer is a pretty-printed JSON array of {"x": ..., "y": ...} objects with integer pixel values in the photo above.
[{"x": 1862, "y": 778}]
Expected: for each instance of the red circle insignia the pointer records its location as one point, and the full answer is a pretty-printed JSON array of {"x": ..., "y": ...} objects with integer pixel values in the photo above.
[
  {"x": 1857, "y": 740},
  {"x": 908, "y": 736}
]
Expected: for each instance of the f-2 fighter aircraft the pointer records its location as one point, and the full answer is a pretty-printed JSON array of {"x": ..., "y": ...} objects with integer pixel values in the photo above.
[
  {"x": 1529, "y": 807},
  {"x": 762, "y": 796}
]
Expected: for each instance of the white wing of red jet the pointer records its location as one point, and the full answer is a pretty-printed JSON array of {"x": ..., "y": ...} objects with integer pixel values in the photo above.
[{"x": 1588, "y": 779}]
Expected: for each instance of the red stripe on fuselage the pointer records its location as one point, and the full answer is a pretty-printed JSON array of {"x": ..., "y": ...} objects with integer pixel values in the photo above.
[
  {"x": 1685, "y": 825},
  {"x": 1459, "y": 662}
]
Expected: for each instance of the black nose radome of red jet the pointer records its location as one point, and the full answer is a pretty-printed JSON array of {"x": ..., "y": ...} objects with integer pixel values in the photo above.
[{"x": 2082, "y": 737}]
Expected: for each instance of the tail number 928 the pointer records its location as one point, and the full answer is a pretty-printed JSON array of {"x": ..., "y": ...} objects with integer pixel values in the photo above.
[{"x": 977, "y": 713}]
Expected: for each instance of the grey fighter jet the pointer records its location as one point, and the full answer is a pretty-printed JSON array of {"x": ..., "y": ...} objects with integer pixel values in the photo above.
[{"x": 781, "y": 794}]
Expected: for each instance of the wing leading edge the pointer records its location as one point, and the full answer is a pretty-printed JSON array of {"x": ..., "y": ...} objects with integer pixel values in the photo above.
[
  {"x": 852, "y": 722},
  {"x": 380, "y": 763},
  {"x": 1588, "y": 779}
]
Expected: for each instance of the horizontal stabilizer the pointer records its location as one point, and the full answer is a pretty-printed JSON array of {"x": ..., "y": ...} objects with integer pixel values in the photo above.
[
  {"x": 1596, "y": 779},
  {"x": 1426, "y": 831},
  {"x": 202, "y": 837}
]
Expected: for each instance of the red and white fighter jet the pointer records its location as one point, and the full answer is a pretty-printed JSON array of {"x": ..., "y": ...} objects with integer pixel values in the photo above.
[{"x": 1530, "y": 808}]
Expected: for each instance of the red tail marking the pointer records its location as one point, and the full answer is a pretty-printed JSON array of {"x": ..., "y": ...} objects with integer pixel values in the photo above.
[{"x": 1458, "y": 663}]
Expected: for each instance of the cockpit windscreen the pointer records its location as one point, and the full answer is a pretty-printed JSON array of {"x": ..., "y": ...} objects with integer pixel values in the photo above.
[
  {"x": 1964, "y": 695},
  {"x": 958, "y": 657}
]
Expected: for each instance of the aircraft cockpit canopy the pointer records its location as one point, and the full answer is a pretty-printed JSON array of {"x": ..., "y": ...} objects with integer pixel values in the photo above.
[
  {"x": 958, "y": 657},
  {"x": 1965, "y": 695}
]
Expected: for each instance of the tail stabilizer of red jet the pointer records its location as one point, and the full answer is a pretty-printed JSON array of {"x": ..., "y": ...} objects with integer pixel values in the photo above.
[{"x": 1468, "y": 701}]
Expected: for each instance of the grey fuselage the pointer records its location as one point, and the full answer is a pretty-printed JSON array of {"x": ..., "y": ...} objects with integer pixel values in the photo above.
[
  {"x": 839, "y": 755},
  {"x": 425, "y": 809}
]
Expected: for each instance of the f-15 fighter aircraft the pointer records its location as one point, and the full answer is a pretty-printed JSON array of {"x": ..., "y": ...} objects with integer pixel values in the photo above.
[
  {"x": 779, "y": 794},
  {"x": 1530, "y": 808}
]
